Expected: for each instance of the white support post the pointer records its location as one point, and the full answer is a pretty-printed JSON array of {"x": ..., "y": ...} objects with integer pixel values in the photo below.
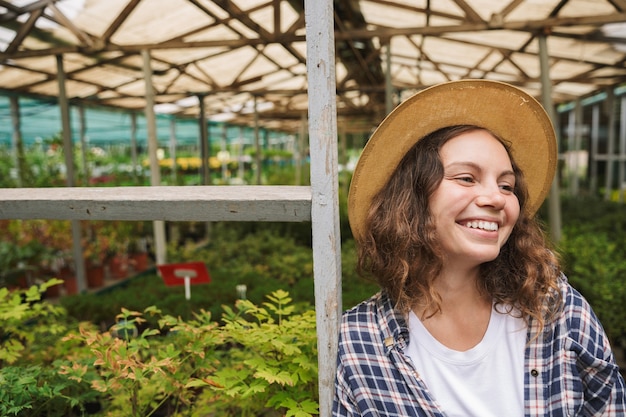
[
  {"x": 324, "y": 190},
  {"x": 77, "y": 250},
  {"x": 610, "y": 148},
  {"x": 173, "y": 144},
  {"x": 155, "y": 170},
  {"x": 133, "y": 147},
  {"x": 16, "y": 140},
  {"x": 257, "y": 145},
  {"x": 388, "y": 78},
  {"x": 554, "y": 202},
  {"x": 84, "y": 147},
  {"x": 595, "y": 138},
  {"x": 621, "y": 186}
]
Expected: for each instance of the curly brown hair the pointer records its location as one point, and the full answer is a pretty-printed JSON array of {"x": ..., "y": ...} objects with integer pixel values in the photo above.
[{"x": 400, "y": 248}]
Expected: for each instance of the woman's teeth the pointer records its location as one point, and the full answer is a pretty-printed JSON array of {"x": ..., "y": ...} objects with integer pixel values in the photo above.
[{"x": 480, "y": 224}]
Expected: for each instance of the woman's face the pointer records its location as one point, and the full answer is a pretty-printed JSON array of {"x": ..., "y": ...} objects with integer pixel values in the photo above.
[{"x": 474, "y": 207}]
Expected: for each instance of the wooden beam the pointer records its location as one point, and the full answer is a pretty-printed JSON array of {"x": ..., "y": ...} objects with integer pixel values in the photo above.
[
  {"x": 518, "y": 25},
  {"x": 324, "y": 192},
  {"x": 170, "y": 203},
  {"x": 14, "y": 11},
  {"x": 69, "y": 25},
  {"x": 470, "y": 13},
  {"x": 23, "y": 31},
  {"x": 119, "y": 19}
]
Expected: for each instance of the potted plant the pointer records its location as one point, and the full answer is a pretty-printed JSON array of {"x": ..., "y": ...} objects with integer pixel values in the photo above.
[
  {"x": 56, "y": 235},
  {"x": 138, "y": 254},
  {"x": 138, "y": 247},
  {"x": 96, "y": 243},
  {"x": 120, "y": 234},
  {"x": 23, "y": 253}
]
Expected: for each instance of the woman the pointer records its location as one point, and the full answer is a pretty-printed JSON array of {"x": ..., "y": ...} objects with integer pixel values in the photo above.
[{"x": 474, "y": 317}]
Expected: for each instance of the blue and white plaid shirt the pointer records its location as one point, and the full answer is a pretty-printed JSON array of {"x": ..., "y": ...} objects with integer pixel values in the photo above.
[{"x": 569, "y": 369}]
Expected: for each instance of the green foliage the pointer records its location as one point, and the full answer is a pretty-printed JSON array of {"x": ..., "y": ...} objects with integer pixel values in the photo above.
[
  {"x": 263, "y": 253},
  {"x": 263, "y": 352},
  {"x": 6, "y": 166},
  {"x": 24, "y": 319},
  {"x": 594, "y": 259},
  {"x": 271, "y": 362},
  {"x": 596, "y": 266},
  {"x": 16, "y": 258},
  {"x": 140, "y": 372},
  {"x": 44, "y": 164},
  {"x": 262, "y": 360},
  {"x": 36, "y": 390},
  {"x": 29, "y": 331}
]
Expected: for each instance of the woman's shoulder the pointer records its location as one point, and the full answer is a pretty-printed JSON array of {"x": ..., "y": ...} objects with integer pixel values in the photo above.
[
  {"x": 374, "y": 318},
  {"x": 578, "y": 316},
  {"x": 574, "y": 303},
  {"x": 376, "y": 306},
  {"x": 363, "y": 312}
]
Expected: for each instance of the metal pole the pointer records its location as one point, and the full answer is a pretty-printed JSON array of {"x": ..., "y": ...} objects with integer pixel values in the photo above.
[
  {"x": 204, "y": 142},
  {"x": 240, "y": 165},
  {"x": 77, "y": 250},
  {"x": 223, "y": 160},
  {"x": 173, "y": 149},
  {"x": 17, "y": 143},
  {"x": 570, "y": 155},
  {"x": 155, "y": 170},
  {"x": 324, "y": 188},
  {"x": 83, "y": 143},
  {"x": 595, "y": 137},
  {"x": 257, "y": 145},
  {"x": 133, "y": 146},
  {"x": 388, "y": 83},
  {"x": 621, "y": 186},
  {"x": 205, "y": 149},
  {"x": 343, "y": 159},
  {"x": 610, "y": 149},
  {"x": 554, "y": 202},
  {"x": 300, "y": 148},
  {"x": 576, "y": 148}
]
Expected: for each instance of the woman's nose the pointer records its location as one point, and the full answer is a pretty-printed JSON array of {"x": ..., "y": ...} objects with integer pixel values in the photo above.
[{"x": 491, "y": 196}]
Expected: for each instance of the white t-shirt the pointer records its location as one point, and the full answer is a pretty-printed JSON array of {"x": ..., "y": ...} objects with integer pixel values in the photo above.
[{"x": 485, "y": 381}]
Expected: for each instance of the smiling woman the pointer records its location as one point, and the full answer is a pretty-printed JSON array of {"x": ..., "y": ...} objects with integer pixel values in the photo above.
[
  {"x": 474, "y": 317},
  {"x": 474, "y": 208}
]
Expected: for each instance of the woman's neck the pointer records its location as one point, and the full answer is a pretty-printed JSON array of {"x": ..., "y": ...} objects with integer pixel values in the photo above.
[{"x": 464, "y": 312}]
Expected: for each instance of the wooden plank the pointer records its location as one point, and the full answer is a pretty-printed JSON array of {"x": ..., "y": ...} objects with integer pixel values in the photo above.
[
  {"x": 170, "y": 203},
  {"x": 325, "y": 189}
]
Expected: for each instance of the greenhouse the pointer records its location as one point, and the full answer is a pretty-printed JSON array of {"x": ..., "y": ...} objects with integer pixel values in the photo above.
[
  {"x": 107, "y": 126},
  {"x": 155, "y": 132}
]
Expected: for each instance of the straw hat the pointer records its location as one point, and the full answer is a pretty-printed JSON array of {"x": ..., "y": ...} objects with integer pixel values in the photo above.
[{"x": 505, "y": 110}]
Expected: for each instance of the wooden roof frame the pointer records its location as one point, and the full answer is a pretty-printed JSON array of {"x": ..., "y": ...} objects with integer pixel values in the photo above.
[{"x": 42, "y": 29}]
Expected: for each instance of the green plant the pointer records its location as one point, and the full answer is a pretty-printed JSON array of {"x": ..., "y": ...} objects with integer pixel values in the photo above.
[
  {"x": 594, "y": 258},
  {"x": 45, "y": 162},
  {"x": 24, "y": 318},
  {"x": 262, "y": 358},
  {"x": 36, "y": 390},
  {"x": 596, "y": 266},
  {"x": 140, "y": 372},
  {"x": 271, "y": 361},
  {"x": 29, "y": 331}
]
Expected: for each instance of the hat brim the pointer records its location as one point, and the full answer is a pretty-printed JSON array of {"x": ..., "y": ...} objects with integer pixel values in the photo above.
[{"x": 503, "y": 109}]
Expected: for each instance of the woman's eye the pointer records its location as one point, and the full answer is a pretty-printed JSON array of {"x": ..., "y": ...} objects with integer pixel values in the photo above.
[
  {"x": 466, "y": 179},
  {"x": 507, "y": 187}
]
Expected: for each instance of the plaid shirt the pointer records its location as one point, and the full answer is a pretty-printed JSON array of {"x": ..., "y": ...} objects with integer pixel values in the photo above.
[{"x": 570, "y": 369}]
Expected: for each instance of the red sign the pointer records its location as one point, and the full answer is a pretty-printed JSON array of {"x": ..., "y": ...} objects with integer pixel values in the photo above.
[{"x": 177, "y": 274}]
